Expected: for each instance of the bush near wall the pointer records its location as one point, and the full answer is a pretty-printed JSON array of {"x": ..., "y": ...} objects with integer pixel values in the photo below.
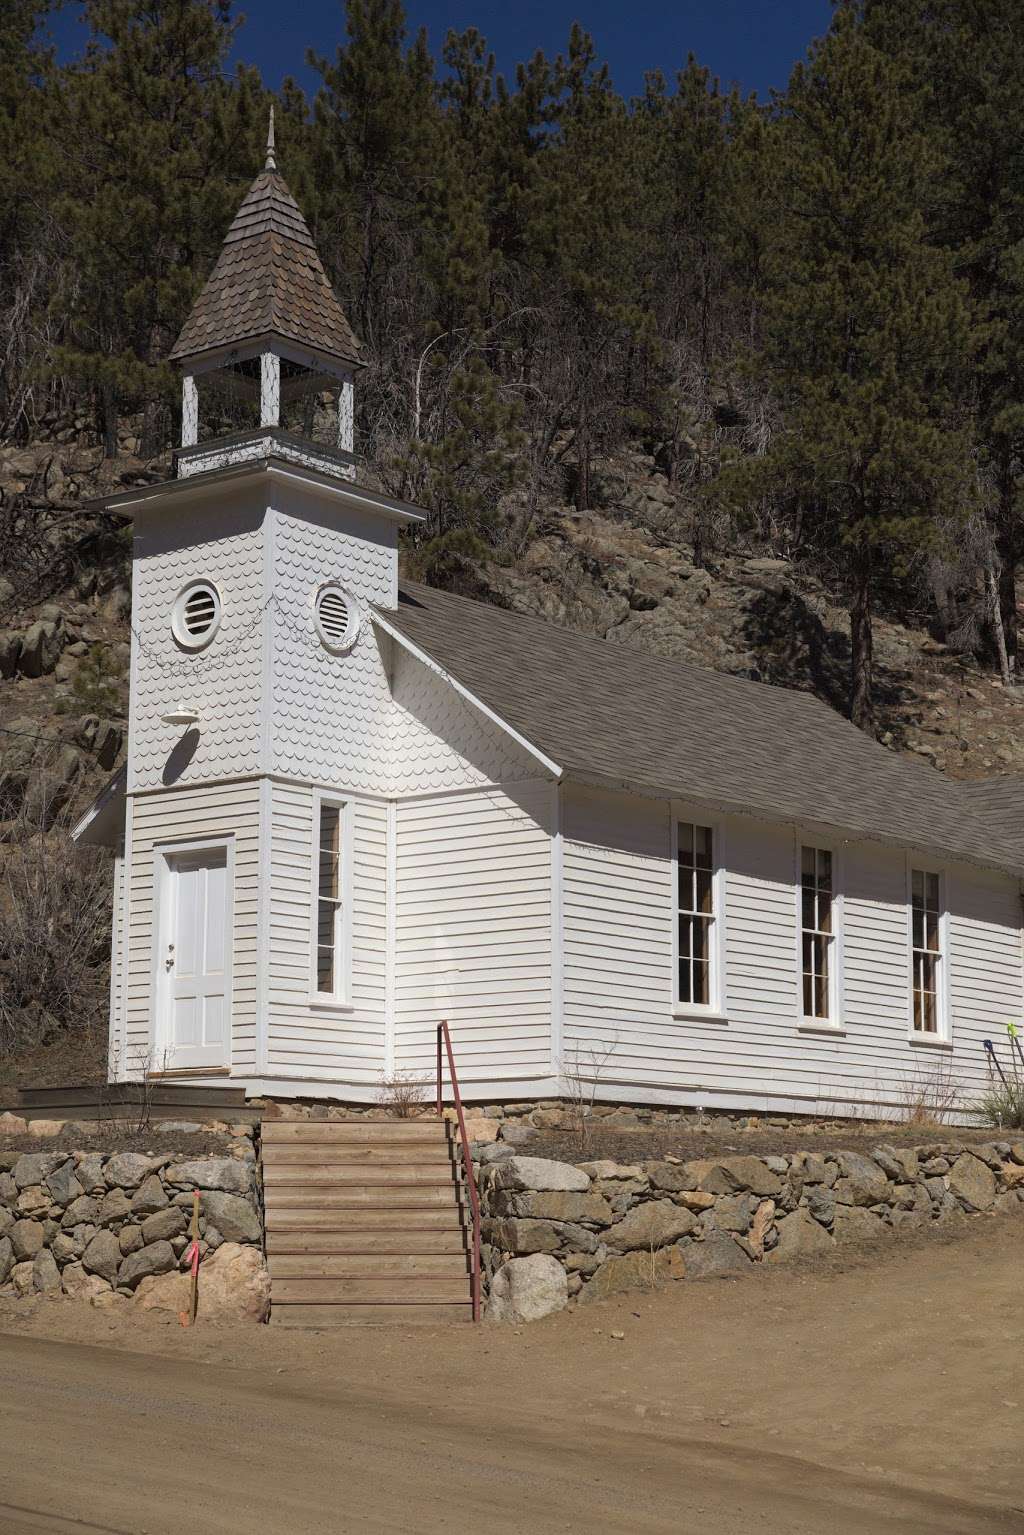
[
  {"x": 553, "y": 1231},
  {"x": 114, "y": 1227}
]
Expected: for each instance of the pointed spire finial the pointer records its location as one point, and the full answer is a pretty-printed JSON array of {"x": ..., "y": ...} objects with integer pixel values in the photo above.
[{"x": 271, "y": 161}]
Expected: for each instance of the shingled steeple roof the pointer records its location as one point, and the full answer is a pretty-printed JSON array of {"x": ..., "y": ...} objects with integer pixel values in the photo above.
[{"x": 268, "y": 281}]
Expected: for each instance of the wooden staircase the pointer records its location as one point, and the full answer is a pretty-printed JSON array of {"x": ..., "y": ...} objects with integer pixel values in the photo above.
[{"x": 365, "y": 1223}]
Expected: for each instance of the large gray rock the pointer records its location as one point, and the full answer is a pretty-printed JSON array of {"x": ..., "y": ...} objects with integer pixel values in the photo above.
[
  {"x": 79, "y": 1285},
  {"x": 63, "y": 1184},
  {"x": 127, "y": 1169},
  {"x": 634, "y": 1271},
  {"x": 149, "y": 1197},
  {"x": 32, "y": 1167},
  {"x": 526, "y": 1289},
  {"x": 82, "y": 1209},
  {"x": 156, "y": 1259},
  {"x": 26, "y": 1238},
  {"x": 103, "y": 1256},
  {"x": 6, "y": 1258},
  {"x": 821, "y": 1202},
  {"x": 523, "y": 1237},
  {"x": 163, "y": 1225},
  {"x": 717, "y": 1257},
  {"x": 115, "y": 1206},
  {"x": 224, "y": 1174},
  {"x": 234, "y": 1218},
  {"x": 590, "y": 1207},
  {"x": 89, "y": 1172},
  {"x": 525, "y": 1174},
  {"x": 732, "y": 1175},
  {"x": 734, "y": 1212},
  {"x": 799, "y": 1236},
  {"x": 41, "y": 647},
  {"x": 45, "y": 1273},
  {"x": 861, "y": 1181},
  {"x": 855, "y": 1224},
  {"x": 6, "y": 1221},
  {"x": 129, "y": 1239},
  {"x": 972, "y": 1183},
  {"x": 8, "y": 1189},
  {"x": 651, "y": 1225}
]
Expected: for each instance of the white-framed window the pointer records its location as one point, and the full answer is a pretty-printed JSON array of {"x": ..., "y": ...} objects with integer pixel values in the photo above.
[
  {"x": 819, "y": 928},
  {"x": 928, "y": 1018},
  {"x": 196, "y": 615},
  {"x": 697, "y": 916},
  {"x": 332, "y": 900},
  {"x": 337, "y": 616}
]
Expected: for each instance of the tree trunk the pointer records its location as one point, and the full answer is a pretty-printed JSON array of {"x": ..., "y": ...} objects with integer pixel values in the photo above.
[
  {"x": 1006, "y": 544},
  {"x": 862, "y": 699},
  {"x": 108, "y": 418},
  {"x": 996, "y": 619}
]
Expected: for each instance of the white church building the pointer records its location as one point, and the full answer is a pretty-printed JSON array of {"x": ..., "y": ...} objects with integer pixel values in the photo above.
[{"x": 353, "y": 807}]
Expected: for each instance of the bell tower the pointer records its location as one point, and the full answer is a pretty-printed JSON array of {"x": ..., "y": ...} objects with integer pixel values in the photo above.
[{"x": 268, "y": 359}]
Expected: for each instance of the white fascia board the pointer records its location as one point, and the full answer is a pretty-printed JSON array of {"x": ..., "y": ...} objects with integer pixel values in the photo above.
[
  {"x": 102, "y": 825},
  {"x": 200, "y": 487},
  {"x": 464, "y": 692}
]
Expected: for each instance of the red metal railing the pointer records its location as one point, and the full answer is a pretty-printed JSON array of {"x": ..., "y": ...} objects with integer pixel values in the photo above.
[{"x": 444, "y": 1037}]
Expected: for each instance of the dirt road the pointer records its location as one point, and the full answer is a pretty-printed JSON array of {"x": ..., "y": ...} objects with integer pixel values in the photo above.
[{"x": 887, "y": 1396}]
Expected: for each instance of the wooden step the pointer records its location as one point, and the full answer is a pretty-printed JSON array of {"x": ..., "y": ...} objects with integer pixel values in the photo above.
[
  {"x": 358, "y": 1154},
  {"x": 380, "y": 1175},
  {"x": 289, "y": 1132},
  {"x": 398, "y": 1241},
  {"x": 361, "y": 1218},
  {"x": 375, "y": 1265},
  {"x": 302, "y": 1197},
  {"x": 369, "y": 1289},
  {"x": 407, "y": 1314}
]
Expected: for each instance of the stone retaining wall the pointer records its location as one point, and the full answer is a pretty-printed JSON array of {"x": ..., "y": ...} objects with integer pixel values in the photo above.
[
  {"x": 113, "y": 1227},
  {"x": 554, "y": 1231}
]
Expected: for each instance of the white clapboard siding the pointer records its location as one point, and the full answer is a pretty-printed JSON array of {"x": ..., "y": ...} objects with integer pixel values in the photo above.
[
  {"x": 473, "y": 911},
  {"x": 618, "y": 898},
  {"x": 324, "y": 1041},
  {"x": 228, "y": 810}
]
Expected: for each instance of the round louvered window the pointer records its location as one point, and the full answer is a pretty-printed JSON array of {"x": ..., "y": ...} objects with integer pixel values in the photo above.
[
  {"x": 337, "y": 618},
  {"x": 196, "y": 616}
]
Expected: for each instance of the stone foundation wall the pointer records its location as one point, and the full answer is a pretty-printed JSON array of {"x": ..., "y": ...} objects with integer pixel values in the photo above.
[
  {"x": 113, "y": 1227},
  {"x": 554, "y": 1232}
]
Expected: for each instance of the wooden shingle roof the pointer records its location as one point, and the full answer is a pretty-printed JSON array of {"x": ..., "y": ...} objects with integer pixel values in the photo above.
[
  {"x": 612, "y": 714},
  {"x": 268, "y": 280}
]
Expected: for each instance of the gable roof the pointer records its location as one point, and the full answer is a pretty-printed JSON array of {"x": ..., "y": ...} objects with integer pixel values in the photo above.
[
  {"x": 615, "y": 715},
  {"x": 999, "y": 802},
  {"x": 268, "y": 280}
]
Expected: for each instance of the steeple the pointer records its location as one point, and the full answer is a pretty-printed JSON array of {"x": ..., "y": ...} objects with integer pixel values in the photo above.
[{"x": 266, "y": 328}]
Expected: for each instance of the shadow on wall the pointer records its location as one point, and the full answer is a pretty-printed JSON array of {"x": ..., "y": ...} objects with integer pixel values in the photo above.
[{"x": 181, "y": 755}]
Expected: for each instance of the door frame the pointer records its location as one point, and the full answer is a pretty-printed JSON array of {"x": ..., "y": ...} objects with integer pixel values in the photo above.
[{"x": 163, "y": 855}]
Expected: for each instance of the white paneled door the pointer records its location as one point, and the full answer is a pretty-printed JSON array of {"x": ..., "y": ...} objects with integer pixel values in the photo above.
[{"x": 195, "y": 962}]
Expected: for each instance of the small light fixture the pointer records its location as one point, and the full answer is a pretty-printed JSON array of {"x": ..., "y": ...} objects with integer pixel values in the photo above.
[{"x": 180, "y": 716}]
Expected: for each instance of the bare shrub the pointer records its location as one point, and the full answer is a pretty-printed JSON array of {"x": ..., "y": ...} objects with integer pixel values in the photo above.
[
  {"x": 54, "y": 921},
  {"x": 1002, "y": 1105},
  {"x": 582, "y": 1072},
  {"x": 929, "y": 1098},
  {"x": 403, "y": 1094}
]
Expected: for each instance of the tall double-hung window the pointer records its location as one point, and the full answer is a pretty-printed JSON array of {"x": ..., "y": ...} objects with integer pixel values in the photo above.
[
  {"x": 926, "y": 952},
  {"x": 818, "y": 934},
  {"x": 696, "y": 916},
  {"x": 331, "y": 902}
]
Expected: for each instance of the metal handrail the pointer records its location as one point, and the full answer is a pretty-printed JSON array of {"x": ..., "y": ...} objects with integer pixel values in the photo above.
[{"x": 467, "y": 1160}]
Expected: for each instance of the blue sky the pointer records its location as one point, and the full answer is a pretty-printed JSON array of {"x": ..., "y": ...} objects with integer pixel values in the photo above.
[{"x": 750, "y": 42}]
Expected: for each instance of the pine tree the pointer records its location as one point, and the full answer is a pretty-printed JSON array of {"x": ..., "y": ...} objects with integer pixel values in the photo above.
[
  {"x": 156, "y": 145},
  {"x": 866, "y": 327}
]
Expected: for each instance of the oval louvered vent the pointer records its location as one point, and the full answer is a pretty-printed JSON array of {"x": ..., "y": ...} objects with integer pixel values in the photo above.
[
  {"x": 196, "y": 616},
  {"x": 337, "y": 618}
]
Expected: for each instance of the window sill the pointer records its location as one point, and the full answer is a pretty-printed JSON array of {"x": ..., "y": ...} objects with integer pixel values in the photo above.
[
  {"x": 821, "y": 1026},
  {"x": 700, "y": 1015},
  {"x": 929, "y": 1041},
  {"x": 330, "y": 1005}
]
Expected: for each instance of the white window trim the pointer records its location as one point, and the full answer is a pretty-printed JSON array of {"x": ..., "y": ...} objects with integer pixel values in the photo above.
[
  {"x": 715, "y": 1010},
  {"x": 835, "y": 1023},
  {"x": 943, "y": 1038},
  {"x": 340, "y": 1000}
]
